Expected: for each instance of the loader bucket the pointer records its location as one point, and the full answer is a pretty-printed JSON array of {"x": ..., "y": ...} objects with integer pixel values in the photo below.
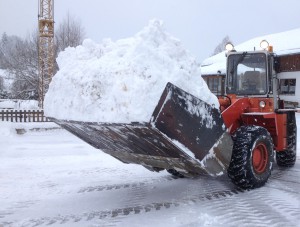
[{"x": 184, "y": 134}]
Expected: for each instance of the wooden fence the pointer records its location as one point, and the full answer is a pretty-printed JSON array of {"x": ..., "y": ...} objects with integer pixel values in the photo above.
[{"x": 23, "y": 116}]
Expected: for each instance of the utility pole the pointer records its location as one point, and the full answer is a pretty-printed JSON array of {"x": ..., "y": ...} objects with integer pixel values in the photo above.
[{"x": 46, "y": 46}]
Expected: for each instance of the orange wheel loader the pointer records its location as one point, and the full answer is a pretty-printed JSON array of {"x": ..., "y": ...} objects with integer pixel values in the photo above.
[{"x": 188, "y": 137}]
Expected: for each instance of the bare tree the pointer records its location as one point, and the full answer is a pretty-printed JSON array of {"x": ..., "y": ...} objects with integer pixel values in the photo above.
[
  {"x": 221, "y": 46},
  {"x": 3, "y": 42},
  {"x": 20, "y": 56},
  {"x": 1, "y": 83},
  {"x": 6, "y": 44},
  {"x": 69, "y": 33}
]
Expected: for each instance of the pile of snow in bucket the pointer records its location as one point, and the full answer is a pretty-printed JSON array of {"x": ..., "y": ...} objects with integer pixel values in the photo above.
[{"x": 122, "y": 81}]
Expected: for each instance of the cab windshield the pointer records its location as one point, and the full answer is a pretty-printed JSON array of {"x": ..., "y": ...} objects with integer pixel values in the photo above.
[{"x": 247, "y": 74}]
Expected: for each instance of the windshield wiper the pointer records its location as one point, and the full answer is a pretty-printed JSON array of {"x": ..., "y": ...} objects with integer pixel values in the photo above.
[{"x": 241, "y": 58}]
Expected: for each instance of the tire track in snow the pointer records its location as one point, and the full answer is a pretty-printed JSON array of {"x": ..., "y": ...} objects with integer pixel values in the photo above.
[
  {"x": 137, "y": 186},
  {"x": 284, "y": 205},
  {"x": 133, "y": 210},
  {"x": 258, "y": 206},
  {"x": 126, "y": 185},
  {"x": 286, "y": 179},
  {"x": 255, "y": 208},
  {"x": 17, "y": 205},
  {"x": 274, "y": 204}
]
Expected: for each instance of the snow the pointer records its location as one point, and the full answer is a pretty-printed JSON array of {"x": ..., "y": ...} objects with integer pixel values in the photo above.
[
  {"x": 51, "y": 178},
  {"x": 18, "y": 104},
  {"x": 7, "y": 79},
  {"x": 2, "y": 73},
  {"x": 122, "y": 81},
  {"x": 283, "y": 43}
]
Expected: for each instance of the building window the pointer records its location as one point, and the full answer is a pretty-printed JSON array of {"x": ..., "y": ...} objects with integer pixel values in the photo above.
[
  {"x": 215, "y": 84},
  {"x": 287, "y": 86}
]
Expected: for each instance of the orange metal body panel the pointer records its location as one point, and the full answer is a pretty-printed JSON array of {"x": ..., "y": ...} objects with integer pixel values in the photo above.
[
  {"x": 232, "y": 114},
  {"x": 246, "y": 111},
  {"x": 273, "y": 122}
]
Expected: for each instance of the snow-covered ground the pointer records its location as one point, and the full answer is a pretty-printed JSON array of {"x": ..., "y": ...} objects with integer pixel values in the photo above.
[
  {"x": 51, "y": 178},
  {"x": 18, "y": 104}
]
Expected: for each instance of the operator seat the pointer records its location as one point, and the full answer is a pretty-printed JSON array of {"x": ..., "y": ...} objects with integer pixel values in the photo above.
[{"x": 251, "y": 80}]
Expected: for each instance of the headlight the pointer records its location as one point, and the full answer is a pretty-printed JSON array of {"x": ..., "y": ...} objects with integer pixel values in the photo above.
[
  {"x": 262, "y": 104},
  {"x": 264, "y": 44},
  {"x": 229, "y": 47}
]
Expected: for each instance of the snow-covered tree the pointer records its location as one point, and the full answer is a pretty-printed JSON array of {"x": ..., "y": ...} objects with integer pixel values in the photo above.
[
  {"x": 20, "y": 59},
  {"x": 20, "y": 56},
  {"x": 1, "y": 83}
]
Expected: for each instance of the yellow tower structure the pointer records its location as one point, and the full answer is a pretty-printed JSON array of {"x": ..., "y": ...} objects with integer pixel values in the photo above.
[{"x": 46, "y": 46}]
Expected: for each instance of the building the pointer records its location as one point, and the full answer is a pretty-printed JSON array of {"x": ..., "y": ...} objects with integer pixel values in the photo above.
[
  {"x": 287, "y": 65},
  {"x": 288, "y": 72}
]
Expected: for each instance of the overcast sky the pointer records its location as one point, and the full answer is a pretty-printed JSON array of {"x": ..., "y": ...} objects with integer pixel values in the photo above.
[{"x": 199, "y": 24}]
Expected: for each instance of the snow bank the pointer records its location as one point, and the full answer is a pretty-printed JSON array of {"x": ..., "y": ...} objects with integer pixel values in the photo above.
[
  {"x": 283, "y": 43},
  {"x": 8, "y": 128},
  {"x": 5, "y": 129},
  {"x": 17, "y": 104},
  {"x": 122, "y": 81}
]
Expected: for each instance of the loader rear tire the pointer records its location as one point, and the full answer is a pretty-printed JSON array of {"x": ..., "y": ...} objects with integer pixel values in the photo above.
[
  {"x": 252, "y": 157},
  {"x": 175, "y": 173},
  {"x": 287, "y": 158}
]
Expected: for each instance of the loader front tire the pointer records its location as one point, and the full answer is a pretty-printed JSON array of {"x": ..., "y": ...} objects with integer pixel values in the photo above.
[
  {"x": 252, "y": 157},
  {"x": 287, "y": 158}
]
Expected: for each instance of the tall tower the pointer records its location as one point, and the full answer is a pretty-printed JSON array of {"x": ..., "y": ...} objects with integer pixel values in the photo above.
[{"x": 46, "y": 47}]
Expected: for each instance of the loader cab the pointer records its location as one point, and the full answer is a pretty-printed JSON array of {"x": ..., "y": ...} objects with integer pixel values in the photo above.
[{"x": 247, "y": 73}]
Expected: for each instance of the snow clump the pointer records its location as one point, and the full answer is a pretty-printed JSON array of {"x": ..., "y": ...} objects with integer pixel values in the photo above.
[{"x": 122, "y": 81}]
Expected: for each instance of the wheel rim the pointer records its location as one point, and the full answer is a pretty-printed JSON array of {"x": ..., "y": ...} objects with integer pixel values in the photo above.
[{"x": 260, "y": 158}]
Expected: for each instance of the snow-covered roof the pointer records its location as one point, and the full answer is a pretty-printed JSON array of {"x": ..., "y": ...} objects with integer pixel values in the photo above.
[{"x": 283, "y": 43}]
